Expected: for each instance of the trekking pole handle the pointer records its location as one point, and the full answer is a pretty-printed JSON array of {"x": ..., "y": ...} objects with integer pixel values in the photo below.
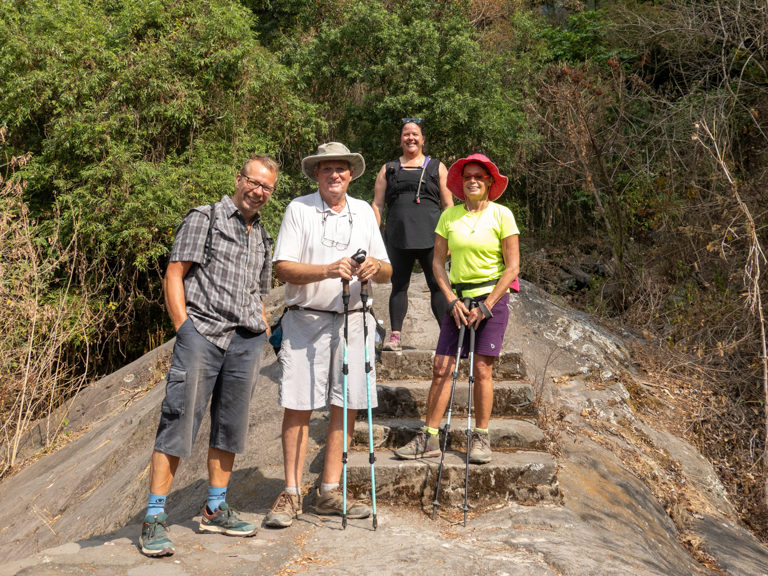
[
  {"x": 468, "y": 304},
  {"x": 359, "y": 256},
  {"x": 345, "y": 292}
]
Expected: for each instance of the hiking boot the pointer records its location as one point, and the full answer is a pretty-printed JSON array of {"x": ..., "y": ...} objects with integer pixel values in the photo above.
[
  {"x": 154, "y": 540},
  {"x": 284, "y": 510},
  {"x": 330, "y": 504},
  {"x": 225, "y": 521},
  {"x": 393, "y": 343},
  {"x": 479, "y": 447},
  {"x": 423, "y": 445}
]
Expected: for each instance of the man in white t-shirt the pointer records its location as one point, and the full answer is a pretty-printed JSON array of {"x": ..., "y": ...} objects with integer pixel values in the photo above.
[{"x": 319, "y": 234}]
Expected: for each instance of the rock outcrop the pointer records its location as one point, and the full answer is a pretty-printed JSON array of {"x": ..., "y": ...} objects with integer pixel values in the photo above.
[{"x": 77, "y": 510}]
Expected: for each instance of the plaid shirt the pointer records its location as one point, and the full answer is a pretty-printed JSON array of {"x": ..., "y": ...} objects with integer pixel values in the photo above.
[{"x": 227, "y": 292}]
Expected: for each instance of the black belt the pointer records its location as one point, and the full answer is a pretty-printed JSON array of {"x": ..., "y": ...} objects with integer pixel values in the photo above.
[
  {"x": 295, "y": 307},
  {"x": 247, "y": 332},
  {"x": 461, "y": 286}
]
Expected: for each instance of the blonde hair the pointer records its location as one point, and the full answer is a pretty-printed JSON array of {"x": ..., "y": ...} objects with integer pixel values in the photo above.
[{"x": 265, "y": 160}]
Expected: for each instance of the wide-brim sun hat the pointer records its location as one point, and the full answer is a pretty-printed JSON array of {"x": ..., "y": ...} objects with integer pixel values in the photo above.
[
  {"x": 333, "y": 151},
  {"x": 456, "y": 171}
]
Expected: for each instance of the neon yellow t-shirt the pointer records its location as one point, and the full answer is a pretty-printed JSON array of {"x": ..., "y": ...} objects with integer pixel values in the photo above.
[{"x": 474, "y": 240}]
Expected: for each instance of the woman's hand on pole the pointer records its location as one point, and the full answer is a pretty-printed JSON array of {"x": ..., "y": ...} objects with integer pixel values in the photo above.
[
  {"x": 460, "y": 313},
  {"x": 475, "y": 316}
]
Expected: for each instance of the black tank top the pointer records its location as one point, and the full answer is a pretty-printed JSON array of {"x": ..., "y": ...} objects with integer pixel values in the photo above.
[{"x": 411, "y": 224}]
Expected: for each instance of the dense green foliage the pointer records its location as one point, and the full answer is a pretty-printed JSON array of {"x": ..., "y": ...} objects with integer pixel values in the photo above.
[
  {"x": 636, "y": 132},
  {"x": 384, "y": 61},
  {"x": 135, "y": 112}
]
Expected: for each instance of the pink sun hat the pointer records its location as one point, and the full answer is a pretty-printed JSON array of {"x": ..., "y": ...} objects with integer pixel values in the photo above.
[{"x": 455, "y": 172}]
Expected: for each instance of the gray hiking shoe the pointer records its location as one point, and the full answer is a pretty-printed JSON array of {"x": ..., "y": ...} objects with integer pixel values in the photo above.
[
  {"x": 225, "y": 521},
  {"x": 284, "y": 510},
  {"x": 330, "y": 504},
  {"x": 154, "y": 540},
  {"x": 479, "y": 447},
  {"x": 423, "y": 445}
]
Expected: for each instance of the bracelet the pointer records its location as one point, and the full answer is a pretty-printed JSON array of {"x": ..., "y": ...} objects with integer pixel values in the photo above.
[
  {"x": 484, "y": 309},
  {"x": 452, "y": 305}
]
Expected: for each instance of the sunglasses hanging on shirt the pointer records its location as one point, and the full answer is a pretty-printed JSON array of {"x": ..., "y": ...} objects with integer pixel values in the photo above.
[{"x": 338, "y": 234}]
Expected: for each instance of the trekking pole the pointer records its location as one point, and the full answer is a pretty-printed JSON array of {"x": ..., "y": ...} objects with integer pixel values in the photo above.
[
  {"x": 360, "y": 258},
  {"x": 454, "y": 376},
  {"x": 469, "y": 410},
  {"x": 345, "y": 372}
]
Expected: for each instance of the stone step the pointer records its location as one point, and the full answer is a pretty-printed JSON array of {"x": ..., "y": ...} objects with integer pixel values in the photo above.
[
  {"x": 505, "y": 434},
  {"x": 408, "y": 398},
  {"x": 524, "y": 477},
  {"x": 416, "y": 363}
]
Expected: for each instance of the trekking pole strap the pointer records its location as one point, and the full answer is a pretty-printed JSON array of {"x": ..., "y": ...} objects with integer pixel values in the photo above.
[{"x": 485, "y": 310}]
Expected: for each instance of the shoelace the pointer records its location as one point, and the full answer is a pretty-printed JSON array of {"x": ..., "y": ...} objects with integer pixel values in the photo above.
[
  {"x": 229, "y": 517},
  {"x": 284, "y": 501},
  {"x": 225, "y": 517},
  {"x": 154, "y": 527},
  {"x": 481, "y": 439}
]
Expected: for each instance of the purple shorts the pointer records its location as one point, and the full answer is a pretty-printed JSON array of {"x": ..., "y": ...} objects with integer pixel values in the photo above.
[{"x": 488, "y": 337}]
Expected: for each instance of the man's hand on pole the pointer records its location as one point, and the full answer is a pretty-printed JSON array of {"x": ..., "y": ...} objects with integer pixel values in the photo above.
[
  {"x": 343, "y": 268},
  {"x": 368, "y": 269}
]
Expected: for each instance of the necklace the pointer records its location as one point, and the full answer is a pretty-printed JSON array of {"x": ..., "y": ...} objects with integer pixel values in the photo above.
[{"x": 469, "y": 216}]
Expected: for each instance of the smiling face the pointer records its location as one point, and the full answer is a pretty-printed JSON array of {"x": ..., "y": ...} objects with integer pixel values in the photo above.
[
  {"x": 333, "y": 178},
  {"x": 411, "y": 139},
  {"x": 253, "y": 188},
  {"x": 476, "y": 181}
]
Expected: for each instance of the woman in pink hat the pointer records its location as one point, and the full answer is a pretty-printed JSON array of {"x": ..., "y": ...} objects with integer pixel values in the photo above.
[{"x": 482, "y": 238}]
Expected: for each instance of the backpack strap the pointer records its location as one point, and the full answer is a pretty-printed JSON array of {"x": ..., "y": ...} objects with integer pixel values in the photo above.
[
  {"x": 421, "y": 179},
  {"x": 208, "y": 238},
  {"x": 390, "y": 172}
]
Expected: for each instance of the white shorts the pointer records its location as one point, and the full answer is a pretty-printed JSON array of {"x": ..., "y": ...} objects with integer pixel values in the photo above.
[{"x": 312, "y": 360}]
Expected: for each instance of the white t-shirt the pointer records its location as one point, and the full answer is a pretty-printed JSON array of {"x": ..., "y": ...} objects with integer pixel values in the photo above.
[{"x": 312, "y": 233}]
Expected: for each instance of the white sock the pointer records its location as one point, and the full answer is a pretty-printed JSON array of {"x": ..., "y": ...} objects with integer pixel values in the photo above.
[{"x": 325, "y": 488}]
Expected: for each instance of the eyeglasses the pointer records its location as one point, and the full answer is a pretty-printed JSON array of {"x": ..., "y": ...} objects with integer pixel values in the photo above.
[
  {"x": 478, "y": 177},
  {"x": 329, "y": 170},
  {"x": 256, "y": 184},
  {"x": 341, "y": 229},
  {"x": 416, "y": 121}
]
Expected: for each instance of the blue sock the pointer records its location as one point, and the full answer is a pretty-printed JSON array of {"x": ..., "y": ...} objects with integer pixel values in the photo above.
[
  {"x": 215, "y": 497},
  {"x": 156, "y": 504}
]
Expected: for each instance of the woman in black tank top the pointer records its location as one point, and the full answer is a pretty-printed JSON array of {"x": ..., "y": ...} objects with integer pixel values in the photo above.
[{"x": 414, "y": 191}]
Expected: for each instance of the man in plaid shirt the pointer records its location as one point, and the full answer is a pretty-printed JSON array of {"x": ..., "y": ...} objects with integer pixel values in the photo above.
[{"x": 218, "y": 276}]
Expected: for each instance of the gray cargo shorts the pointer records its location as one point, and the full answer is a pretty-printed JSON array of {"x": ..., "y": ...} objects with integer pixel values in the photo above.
[
  {"x": 312, "y": 359},
  {"x": 201, "y": 371}
]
